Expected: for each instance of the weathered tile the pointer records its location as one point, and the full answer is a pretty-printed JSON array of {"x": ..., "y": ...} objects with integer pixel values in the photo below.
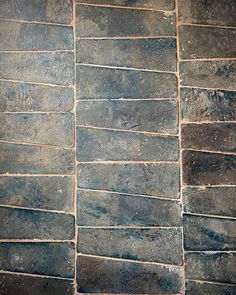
[
  {"x": 209, "y": 233},
  {"x": 31, "y": 224},
  {"x": 202, "y": 168},
  {"x": 42, "y": 10},
  {"x": 216, "y": 267},
  {"x": 26, "y": 97},
  {"x": 108, "y": 209},
  {"x": 158, "y": 179},
  {"x": 12, "y": 284},
  {"x": 216, "y": 12},
  {"x": 50, "y": 129},
  {"x": 210, "y": 200},
  {"x": 213, "y": 137},
  {"x": 150, "y": 4},
  {"x": 212, "y": 74},
  {"x": 140, "y": 115},
  {"x": 153, "y": 54},
  {"x": 200, "y": 288},
  {"x": 25, "y": 36},
  {"x": 39, "y": 192},
  {"x": 15, "y": 158},
  {"x": 107, "y": 83},
  {"x": 206, "y": 42},
  {"x": 92, "y": 21},
  {"x": 43, "y": 67},
  {"x": 97, "y": 144},
  {"x": 156, "y": 245},
  {"x": 53, "y": 259},
  {"x": 204, "y": 105},
  {"x": 111, "y": 276}
]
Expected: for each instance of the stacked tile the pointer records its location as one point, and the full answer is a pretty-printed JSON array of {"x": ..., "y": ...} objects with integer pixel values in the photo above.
[
  {"x": 208, "y": 105},
  {"x": 128, "y": 208},
  {"x": 36, "y": 147}
]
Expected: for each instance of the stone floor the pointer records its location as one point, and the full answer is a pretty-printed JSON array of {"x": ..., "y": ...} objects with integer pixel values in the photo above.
[{"x": 118, "y": 147}]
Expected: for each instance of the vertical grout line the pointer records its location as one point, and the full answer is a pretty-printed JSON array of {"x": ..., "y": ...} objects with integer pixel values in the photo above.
[{"x": 179, "y": 124}]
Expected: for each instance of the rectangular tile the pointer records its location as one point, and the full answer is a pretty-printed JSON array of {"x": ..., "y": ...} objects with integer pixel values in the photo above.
[
  {"x": 97, "y": 144},
  {"x": 207, "y": 42},
  {"x": 21, "y": 158},
  {"x": 111, "y": 276},
  {"x": 39, "y": 192},
  {"x": 210, "y": 200},
  {"x": 215, "y": 267},
  {"x": 139, "y": 115},
  {"x": 149, "y": 4},
  {"x": 33, "y": 257},
  {"x": 213, "y": 137},
  {"x": 155, "y": 245},
  {"x": 200, "y": 288},
  {"x": 50, "y": 129},
  {"x": 217, "y": 12},
  {"x": 153, "y": 54},
  {"x": 30, "y": 285},
  {"x": 161, "y": 180},
  {"x": 107, "y": 83},
  {"x": 212, "y": 74},
  {"x": 42, "y": 10},
  {"x": 26, "y": 97},
  {"x": 92, "y": 21},
  {"x": 44, "y": 67},
  {"x": 208, "y": 233},
  {"x": 109, "y": 209},
  {"x": 208, "y": 105},
  {"x": 202, "y": 168},
  {"x": 25, "y": 36},
  {"x": 31, "y": 224}
]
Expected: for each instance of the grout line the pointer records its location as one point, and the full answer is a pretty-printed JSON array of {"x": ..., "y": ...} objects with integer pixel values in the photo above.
[
  {"x": 207, "y": 88},
  {"x": 36, "y": 51},
  {"x": 128, "y": 227},
  {"x": 207, "y": 26},
  {"x": 22, "y": 240},
  {"x": 34, "y": 22},
  {"x": 125, "y": 38},
  {"x": 127, "y": 99},
  {"x": 207, "y": 122},
  {"x": 209, "y": 185},
  {"x": 34, "y": 175},
  {"x": 208, "y": 151},
  {"x": 210, "y": 215},
  {"x": 37, "y": 145},
  {"x": 35, "y": 83},
  {"x": 37, "y": 112},
  {"x": 211, "y": 251},
  {"x": 211, "y": 282},
  {"x": 208, "y": 59},
  {"x": 108, "y": 162}
]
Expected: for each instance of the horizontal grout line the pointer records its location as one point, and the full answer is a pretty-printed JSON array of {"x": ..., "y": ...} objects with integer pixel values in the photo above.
[
  {"x": 37, "y": 112},
  {"x": 35, "y": 22},
  {"x": 211, "y": 282},
  {"x": 38, "y": 145},
  {"x": 104, "y": 162},
  {"x": 207, "y": 122},
  {"x": 7, "y": 174},
  {"x": 129, "y": 194},
  {"x": 37, "y": 83},
  {"x": 34, "y": 275},
  {"x": 37, "y": 51},
  {"x": 22, "y": 240},
  {"x": 208, "y": 88},
  {"x": 127, "y": 99},
  {"x": 209, "y": 185},
  {"x": 130, "y": 261},
  {"x": 207, "y": 26},
  {"x": 208, "y": 151},
  {"x": 209, "y": 215},
  {"x": 124, "y": 68},
  {"x": 210, "y": 251},
  {"x": 37, "y": 209},
  {"x": 128, "y": 130},
  {"x": 207, "y": 59},
  {"x": 125, "y": 38},
  {"x": 128, "y": 227}
]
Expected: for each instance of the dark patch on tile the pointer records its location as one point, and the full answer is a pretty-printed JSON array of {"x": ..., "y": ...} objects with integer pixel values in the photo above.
[
  {"x": 215, "y": 267},
  {"x": 52, "y": 193},
  {"x": 44, "y": 67},
  {"x": 159, "y": 179},
  {"x": 150, "y": 116},
  {"x": 212, "y": 137},
  {"x": 211, "y": 12},
  {"x": 97, "y": 144},
  {"x": 212, "y": 74},
  {"x": 155, "y": 245},
  {"x": 212, "y": 105},
  {"x": 210, "y": 200},
  {"x": 53, "y": 259},
  {"x": 31, "y": 224},
  {"x": 110, "y": 276},
  {"x": 109, "y": 209},
  {"x": 208, "y": 233},
  {"x": 206, "y": 42},
  {"x": 50, "y": 129},
  {"x": 41, "y": 10},
  {"x": 195, "y": 288},
  {"x": 97, "y": 21},
  {"x": 26, "y": 36},
  {"x": 153, "y": 54},
  {"x": 12, "y": 284},
  {"x": 202, "y": 168},
  {"x": 15, "y": 158},
  {"x": 24, "y": 97},
  {"x": 107, "y": 83}
]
